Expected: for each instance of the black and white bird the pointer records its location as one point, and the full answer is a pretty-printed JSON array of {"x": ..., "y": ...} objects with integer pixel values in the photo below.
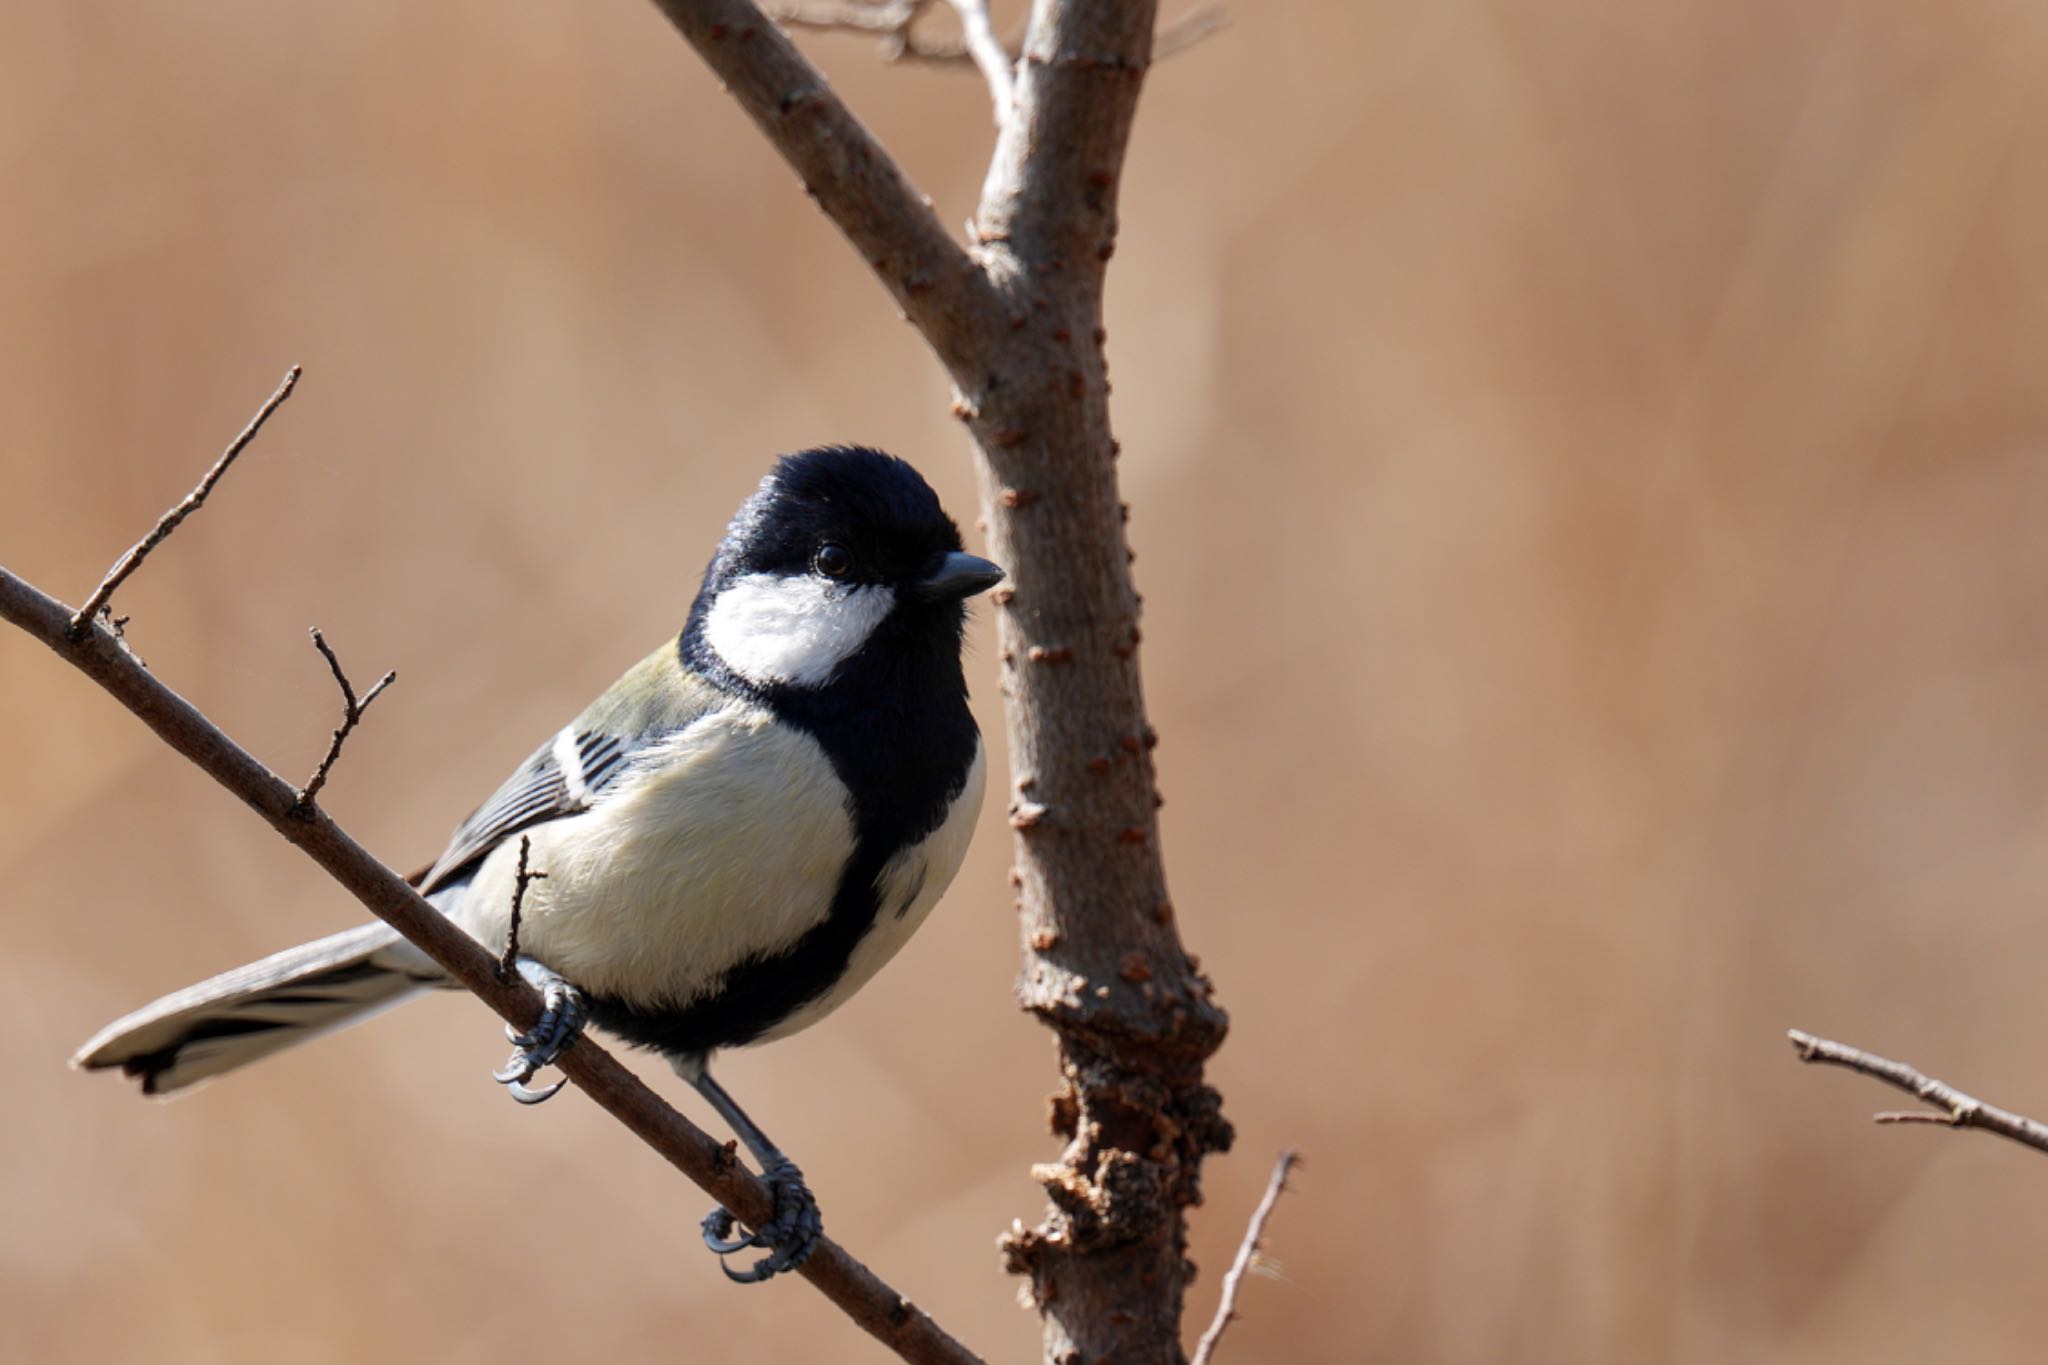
[{"x": 736, "y": 836}]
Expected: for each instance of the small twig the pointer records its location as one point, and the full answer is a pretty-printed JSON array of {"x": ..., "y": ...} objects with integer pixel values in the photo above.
[
  {"x": 1247, "y": 1255},
  {"x": 351, "y": 712},
  {"x": 117, "y": 626},
  {"x": 978, "y": 32},
  {"x": 508, "y": 960},
  {"x": 1913, "y": 1116},
  {"x": 168, "y": 522},
  {"x": 1953, "y": 1108}
]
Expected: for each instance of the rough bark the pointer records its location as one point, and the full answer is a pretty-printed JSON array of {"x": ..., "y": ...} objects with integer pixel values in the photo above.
[{"x": 1104, "y": 967}]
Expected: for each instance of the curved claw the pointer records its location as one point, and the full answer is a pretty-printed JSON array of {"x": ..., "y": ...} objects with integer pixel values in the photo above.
[
  {"x": 515, "y": 1076},
  {"x": 762, "y": 1269},
  {"x": 519, "y": 1091},
  {"x": 783, "y": 1258},
  {"x": 718, "y": 1226},
  {"x": 790, "y": 1237},
  {"x": 553, "y": 1033}
]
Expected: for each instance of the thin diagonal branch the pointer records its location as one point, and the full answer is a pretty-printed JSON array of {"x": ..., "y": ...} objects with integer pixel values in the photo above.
[
  {"x": 1955, "y": 1109},
  {"x": 168, "y": 522},
  {"x": 351, "y": 712},
  {"x": 880, "y": 1310},
  {"x": 978, "y": 33},
  {"x": 1247, "y": 1256}
]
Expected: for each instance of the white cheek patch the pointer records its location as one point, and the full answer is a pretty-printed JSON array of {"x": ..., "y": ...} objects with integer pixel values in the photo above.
[{"x": 771, "y": 628}]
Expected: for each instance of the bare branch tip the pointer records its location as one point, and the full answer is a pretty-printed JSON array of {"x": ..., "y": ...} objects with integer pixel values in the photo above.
[
  {"x": 83, "y": 618},
  {"x": 348, "y": 693},
  {"x": 1247, "y": 1257},
  {"x": 1947, "y": 1105},
  {"x": 390, "y": 677}
]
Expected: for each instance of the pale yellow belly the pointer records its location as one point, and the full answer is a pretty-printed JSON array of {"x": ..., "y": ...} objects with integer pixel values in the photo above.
[{"x": 729, "y": 846}]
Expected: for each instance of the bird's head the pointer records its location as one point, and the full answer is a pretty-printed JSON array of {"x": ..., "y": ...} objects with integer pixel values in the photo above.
[{"x": 841, "y": 552}]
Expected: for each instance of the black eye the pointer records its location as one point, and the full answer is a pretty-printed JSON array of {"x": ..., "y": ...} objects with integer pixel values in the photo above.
[{"x": 832, "y": 561}]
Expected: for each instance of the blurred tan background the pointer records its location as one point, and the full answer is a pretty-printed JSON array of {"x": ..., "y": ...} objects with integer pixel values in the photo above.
[{"x": 1591, "y": 470}]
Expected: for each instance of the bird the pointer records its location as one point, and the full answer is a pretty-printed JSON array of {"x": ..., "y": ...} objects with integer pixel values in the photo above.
[{"x": 725, "y": 845}]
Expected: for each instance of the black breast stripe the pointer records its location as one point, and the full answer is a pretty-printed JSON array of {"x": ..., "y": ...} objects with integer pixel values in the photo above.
[{"x": 903, "y": 766}]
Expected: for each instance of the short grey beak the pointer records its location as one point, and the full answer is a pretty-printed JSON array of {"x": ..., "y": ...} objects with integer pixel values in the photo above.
[{"x": 959, "y": 575}]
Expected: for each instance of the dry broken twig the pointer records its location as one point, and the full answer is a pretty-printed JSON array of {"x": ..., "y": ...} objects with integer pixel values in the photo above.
[
  {"x": 1247, "y": 1257},
  {"x": 1955, "y": 1109},
  {"x": 351, "y": 712},
  {"x": 508, "y": 961},
  {"x": 168, "y": 522}
]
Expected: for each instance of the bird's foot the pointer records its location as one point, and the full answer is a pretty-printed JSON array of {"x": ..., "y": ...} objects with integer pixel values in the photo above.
[
  {"x": 563, "y": 1011},
  {"x": 790, "y": 1237}
]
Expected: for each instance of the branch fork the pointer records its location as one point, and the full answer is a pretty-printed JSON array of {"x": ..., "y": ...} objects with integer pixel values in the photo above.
[{"x": 351, "y": 714}]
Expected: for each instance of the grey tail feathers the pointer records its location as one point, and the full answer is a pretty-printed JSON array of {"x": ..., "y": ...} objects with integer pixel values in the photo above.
[{"x": 251, "y": 1012}]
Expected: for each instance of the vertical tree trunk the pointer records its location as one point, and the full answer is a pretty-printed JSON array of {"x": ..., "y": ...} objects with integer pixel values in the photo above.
[{"x": 1103, "y": 963}]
